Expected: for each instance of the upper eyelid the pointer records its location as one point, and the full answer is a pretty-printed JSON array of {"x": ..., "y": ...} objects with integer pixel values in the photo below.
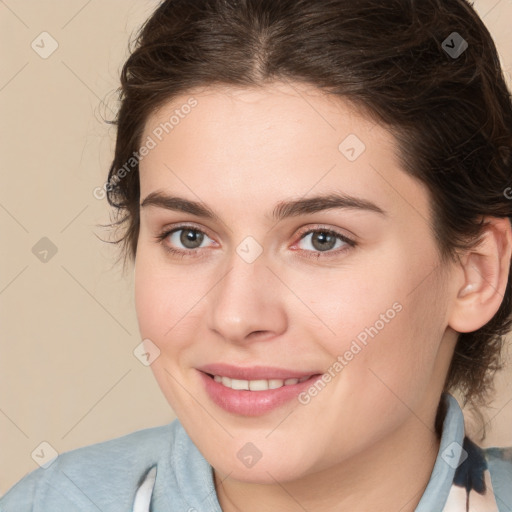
[
  {"x": 348, "y": 240},
  {"x": 170, "y": 230}
]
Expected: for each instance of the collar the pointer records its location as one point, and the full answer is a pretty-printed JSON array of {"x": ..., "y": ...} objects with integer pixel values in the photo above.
[{"x": 460, "y": 480}]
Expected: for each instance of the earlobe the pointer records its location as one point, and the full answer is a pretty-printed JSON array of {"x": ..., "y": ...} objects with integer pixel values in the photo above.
[{"x": 485, "y": 270}]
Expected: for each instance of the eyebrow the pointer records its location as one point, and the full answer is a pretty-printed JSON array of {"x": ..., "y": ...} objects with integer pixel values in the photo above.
[{"x": 281, "y": 211}]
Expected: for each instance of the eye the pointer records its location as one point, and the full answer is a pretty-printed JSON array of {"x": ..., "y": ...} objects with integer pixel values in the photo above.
[
  {"x": 323, "y": 240},
  {"x": 185, "y": 241},
  {"x": 188, "y": 237}
]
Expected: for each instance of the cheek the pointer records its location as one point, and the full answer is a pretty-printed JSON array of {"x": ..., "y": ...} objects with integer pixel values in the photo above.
[
  {"x": 161, "y": 305},
  {"x": 379, "y": 323},
  {"x": 167, "y": 302},
  {"x": 148, "y": 301},
  {"x": 155, "y": 300}
]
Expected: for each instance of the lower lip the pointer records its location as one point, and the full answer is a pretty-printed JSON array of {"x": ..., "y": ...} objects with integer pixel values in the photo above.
[{"x": 253, "y": 403}]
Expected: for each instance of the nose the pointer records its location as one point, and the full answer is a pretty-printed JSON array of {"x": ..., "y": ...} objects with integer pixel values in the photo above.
[{"x": 248, "y": 302}]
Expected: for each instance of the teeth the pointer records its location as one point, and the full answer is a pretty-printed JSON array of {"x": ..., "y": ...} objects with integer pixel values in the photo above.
[
  {"x": 257, "y": 385},
  {"x": 238, "y": 384},
  {"x": 275, "y": 383}
]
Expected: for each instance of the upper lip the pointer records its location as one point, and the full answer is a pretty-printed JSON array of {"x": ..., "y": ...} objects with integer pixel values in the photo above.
[{"x": 254, "y": 372}]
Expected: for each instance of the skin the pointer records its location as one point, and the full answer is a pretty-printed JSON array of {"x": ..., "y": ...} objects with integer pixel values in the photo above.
[{"x": 367, "y": 440}]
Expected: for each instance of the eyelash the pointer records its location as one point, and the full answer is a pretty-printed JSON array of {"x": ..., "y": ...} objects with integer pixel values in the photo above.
[{"x": 160, "y": 238}]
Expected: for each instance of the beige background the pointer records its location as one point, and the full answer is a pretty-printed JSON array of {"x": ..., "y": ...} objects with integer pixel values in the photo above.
[{"x": 68, "y": 325}]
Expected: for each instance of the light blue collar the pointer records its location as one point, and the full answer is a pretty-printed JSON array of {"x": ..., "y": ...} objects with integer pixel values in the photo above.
[{"x": 450, "y": 449}]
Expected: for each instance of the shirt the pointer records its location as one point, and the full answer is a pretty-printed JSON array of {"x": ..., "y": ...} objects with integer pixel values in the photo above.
[{"x": 161, "y": 470}]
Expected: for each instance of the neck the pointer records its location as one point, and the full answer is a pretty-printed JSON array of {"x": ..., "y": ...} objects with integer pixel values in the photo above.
[{"x": 391, "y": 474}]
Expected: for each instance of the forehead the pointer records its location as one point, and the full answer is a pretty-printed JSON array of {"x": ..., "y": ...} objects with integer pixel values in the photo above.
[
  {"x": 297, "y": 112},
  {"x": 280, "y": 140}
]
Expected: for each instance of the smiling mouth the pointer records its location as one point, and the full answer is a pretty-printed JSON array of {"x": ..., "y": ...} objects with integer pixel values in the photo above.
[{"x": 258, "y": 384}]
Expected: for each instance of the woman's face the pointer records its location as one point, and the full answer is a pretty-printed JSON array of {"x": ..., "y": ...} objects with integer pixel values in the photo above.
[{"x": 302, "y": 250}]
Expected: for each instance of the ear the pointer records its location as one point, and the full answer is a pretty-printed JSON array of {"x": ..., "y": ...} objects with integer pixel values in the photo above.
[{"x": 484, "y": 276}]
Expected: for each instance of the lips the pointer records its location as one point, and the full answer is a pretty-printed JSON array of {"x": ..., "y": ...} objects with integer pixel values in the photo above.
[{"x": 218, "y": 380}]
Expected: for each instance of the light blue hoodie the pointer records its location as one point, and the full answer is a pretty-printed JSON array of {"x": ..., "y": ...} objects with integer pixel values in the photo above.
[{"x": 119, "y": 475}]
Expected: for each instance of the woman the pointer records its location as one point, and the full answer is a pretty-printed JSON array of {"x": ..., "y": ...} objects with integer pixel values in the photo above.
[{"x": 314, "y": 193}]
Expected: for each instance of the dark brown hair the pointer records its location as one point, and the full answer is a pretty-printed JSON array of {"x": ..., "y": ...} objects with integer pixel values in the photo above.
[{"x": 399, "y": 61}]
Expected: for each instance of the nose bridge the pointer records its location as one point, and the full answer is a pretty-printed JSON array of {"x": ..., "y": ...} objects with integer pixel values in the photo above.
[{"x": 246, "y": 299}]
